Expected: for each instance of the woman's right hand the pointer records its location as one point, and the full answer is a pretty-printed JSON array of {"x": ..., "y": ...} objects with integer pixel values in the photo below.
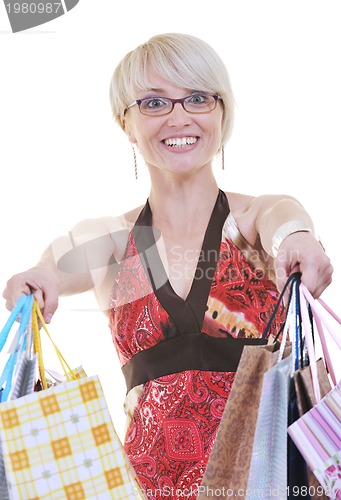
[{"x": 42, "y": 282}]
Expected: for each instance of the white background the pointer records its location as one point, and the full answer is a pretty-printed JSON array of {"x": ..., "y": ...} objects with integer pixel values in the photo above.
[{"x": 63, "y": 158}]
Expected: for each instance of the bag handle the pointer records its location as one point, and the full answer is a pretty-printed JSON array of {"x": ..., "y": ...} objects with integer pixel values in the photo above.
[
  {"x": 322, "y": 315},
  {"x": 325, "y": 350},
  {"x": 22, "y": 309},
  {"x": 298, "y": 344},
  {"x": 293, "y": 277},
  {"x": 293, "y": 325},
  {"x": 37, "y": 315},
  {"x": 321, "y": 318},
  {"x": 310, "y": 345},
  {"x": 289, "y": 322}
]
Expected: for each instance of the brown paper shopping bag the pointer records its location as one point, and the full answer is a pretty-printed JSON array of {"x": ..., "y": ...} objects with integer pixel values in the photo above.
[
  {"x": 304, "y": 386},
  {"x": 228, "y": 467},
  {"x": 229, "y": 462}
]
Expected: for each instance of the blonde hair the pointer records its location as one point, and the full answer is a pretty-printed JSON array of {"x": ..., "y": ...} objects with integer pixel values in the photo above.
[{"x": 184, "y": 60}]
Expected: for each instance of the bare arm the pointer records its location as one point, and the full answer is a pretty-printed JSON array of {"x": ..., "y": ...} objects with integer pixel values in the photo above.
[
  {"x": 71, "y": 264},
  {"x": 263, "y": 217},
  {"x": 47, "y": 283}
]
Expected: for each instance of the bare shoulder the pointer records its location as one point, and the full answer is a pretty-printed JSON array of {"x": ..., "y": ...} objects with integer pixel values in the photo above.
[
  {"x": 243, "y": 203},
  {"x": 239, "y": 203},
  {"x": 105, "y": 225},
  {"x": 131, "y": 216},
  {"x": 106, "y": 235},
  {"x": 247, "y": 210}
]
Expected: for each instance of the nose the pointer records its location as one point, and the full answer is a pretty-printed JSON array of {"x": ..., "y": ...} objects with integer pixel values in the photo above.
[{"x": 179, "y": 117}]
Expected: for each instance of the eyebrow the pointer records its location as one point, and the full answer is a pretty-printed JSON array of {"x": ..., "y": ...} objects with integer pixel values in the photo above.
[
  {"x": 154, "y": 90},
  {"x": 162, "y": 91}
]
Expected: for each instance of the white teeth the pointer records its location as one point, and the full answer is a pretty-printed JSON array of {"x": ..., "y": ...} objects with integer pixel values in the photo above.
[{"x": 178, "y": 142}]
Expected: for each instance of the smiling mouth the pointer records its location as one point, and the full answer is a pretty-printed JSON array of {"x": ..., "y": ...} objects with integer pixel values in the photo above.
[{"x": 180, "y": 142}]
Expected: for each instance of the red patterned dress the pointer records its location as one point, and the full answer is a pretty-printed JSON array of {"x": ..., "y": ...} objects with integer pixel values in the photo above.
[{"x": 179, "y": 357}]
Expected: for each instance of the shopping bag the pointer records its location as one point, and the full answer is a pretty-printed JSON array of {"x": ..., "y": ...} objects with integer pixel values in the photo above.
[
  {"x": 277, "y": 468},
  {"x": 268, "y": 473},
  {"x": 228, "y": 465},
  {"x": 20, "y": 350},
  {"x": 304, "y": 402},
  {"x": 17, "y": 377},
  {"x": 298, "y": 476},
  {"x": 317, "y": 433},
  {"x": 268, "y": 466},
  {"x": 60, "y": 443},
  {"x": 304, "y": 388}
]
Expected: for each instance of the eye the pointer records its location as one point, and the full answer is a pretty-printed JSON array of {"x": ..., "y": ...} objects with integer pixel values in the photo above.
[
  {"x": 198, "y": 99},
  {"x": 154, "y": 103}
]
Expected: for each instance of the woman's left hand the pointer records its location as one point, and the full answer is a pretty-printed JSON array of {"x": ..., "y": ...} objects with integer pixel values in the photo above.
[{"x": 302, "y": 252}]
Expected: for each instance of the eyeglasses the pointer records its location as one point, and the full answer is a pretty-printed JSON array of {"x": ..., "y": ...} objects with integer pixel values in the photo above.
[{"x": 158, "y": 106}]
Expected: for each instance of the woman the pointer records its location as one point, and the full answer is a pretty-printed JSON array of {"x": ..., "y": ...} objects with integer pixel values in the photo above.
[{"x": 191, "y": 277}]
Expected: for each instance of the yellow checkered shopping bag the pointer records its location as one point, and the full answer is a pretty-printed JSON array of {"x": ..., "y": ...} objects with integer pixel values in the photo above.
[{"x": 60, "y": 443}]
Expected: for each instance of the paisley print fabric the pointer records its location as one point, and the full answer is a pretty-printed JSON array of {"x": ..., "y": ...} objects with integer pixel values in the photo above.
[{"x": 176, "y": 416}]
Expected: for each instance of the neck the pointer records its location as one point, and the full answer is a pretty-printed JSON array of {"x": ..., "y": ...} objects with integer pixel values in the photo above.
[{"x": 179, "y": 202}]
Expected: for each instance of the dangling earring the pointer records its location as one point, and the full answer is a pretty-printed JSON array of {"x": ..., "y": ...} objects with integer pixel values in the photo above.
[
  {"x": 135, "y": 161},
  {"x": 222, "y": 157}
]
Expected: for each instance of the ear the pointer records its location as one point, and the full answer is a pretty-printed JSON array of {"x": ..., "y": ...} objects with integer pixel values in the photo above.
[{"x": 128, "y": 130}]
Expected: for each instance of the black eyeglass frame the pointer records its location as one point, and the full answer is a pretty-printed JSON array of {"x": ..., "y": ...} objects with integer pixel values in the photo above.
[{"x": 181, "y": 101}]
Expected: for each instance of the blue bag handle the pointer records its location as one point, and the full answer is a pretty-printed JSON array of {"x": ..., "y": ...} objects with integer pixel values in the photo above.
[
  {"x": 23, "y": 308},
  {"x": 295, "y": 277}
]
